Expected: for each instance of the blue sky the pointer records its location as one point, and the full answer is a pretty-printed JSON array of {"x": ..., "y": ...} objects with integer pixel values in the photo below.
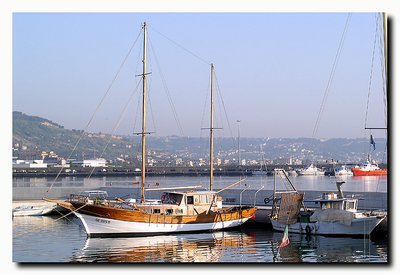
[{"x": 272, "y": 71}]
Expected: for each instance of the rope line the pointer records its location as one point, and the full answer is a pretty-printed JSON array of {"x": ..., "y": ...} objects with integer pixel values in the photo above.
[
  {"x": 182, "y": 47},
  {"x": 95, "y": 111},
  {"x": 336, "y": 60},
  {"x": 171, "y": 103},
  {"x": 204, "y": 106},
  {"x": 116, "y": 125},
  {"x": 42, "y": 227},
  {"x": 371, "y": 71},
  {"x": 223, "y": 106}
]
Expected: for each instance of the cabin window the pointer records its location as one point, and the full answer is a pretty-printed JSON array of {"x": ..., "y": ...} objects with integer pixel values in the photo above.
[
  {"x": 168, "y": 212},
  {"x": 203, "y": 199},
  {"x": 171, "y": 199},
  {"x": 190, "y": 200},
  {"x": 350, "y": 205},
  {"x": 156, "y": 211},
  {"x": 333, "y": 205}
]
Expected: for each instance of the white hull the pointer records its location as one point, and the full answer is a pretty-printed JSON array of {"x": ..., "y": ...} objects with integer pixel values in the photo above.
[
  {"x": 34, "y": 211},
  {"x": 95, "y": 226},
  {"x": 311, "y": 171},
  {"x": 344, "y": 174},
  {"x": 259, "y": 173},
  {"x": 307, "y": 173},
  {"x": 361, "y": 226}
]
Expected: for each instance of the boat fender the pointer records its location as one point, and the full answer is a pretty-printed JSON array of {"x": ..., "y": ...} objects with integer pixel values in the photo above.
[
  {"x": 266, "y": 200},
  {"x": 308, "y": 230}
]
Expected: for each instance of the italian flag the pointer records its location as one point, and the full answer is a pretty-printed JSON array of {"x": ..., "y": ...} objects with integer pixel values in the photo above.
[{"x": 285, "y": 239}]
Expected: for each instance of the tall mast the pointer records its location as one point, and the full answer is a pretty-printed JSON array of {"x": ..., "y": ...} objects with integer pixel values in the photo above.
[
  {"x": 142, "y": 197},
  {"x": 211, "y": 130},
  {"x": 386, "y": 83},
  {"x": 384, "y": 19}
]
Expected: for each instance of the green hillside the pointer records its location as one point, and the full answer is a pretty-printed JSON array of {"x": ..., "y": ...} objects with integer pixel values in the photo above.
[{"x": 39, "y": 134}]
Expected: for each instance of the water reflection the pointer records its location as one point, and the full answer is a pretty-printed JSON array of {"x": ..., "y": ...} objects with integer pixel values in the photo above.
[
  {"x": 320, "y": 249},
  {"x": 50, "y": 239},
  {"x": 304, "y": 183},
  {"x": 45, "y": 238},
  {"x": 60, "y": 182},
  {"x": 250, "y": 246},
  {"x": 201, "y": 247}
]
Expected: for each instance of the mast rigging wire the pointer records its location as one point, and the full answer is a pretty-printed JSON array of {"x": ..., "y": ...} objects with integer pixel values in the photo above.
[
  {"x": 117, "y": 124},
  {"x": 97, "y": 108},
  {"x": 336, "y": 60},
  {"x": 379, "y": 36},
  {"x": 371, "y": 71},
  {"x": 183, "y": 48},
  {"x": 171, "y": 103},
  {"x": 223, "y": 106}
]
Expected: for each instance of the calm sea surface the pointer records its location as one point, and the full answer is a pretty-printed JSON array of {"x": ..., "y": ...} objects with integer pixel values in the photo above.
[{"x": 55, "y": 239}]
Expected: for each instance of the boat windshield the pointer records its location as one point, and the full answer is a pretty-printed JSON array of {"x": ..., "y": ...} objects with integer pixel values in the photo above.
[
  {"x": 171, "y": 198},
  {"x": 94, "y": 194}
]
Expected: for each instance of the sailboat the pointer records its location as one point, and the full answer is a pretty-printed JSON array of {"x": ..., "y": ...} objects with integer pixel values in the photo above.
[
  {"x": 370, "y": 167},
  {"x": 336, "y": 215},
  {"x": 176, "y": 211},
  {"x": 261, "y": 172}
]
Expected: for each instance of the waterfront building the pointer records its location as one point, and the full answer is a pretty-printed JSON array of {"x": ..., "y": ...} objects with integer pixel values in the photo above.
[{"x": 100, "y": 162}]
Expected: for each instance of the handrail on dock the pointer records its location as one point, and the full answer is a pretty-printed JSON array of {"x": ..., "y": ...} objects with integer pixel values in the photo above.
[
  {"x": 255, "y": 194},
  {"x": 240, "y": 196}
]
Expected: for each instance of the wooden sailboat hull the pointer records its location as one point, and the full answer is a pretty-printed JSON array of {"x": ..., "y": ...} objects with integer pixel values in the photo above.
[
  {"x": 102, "y": 227},
  {"x": 101, "y": 221},
  {"x": 358, "y": 227}
]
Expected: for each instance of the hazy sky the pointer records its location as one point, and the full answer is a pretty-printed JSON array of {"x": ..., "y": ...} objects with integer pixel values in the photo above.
[{"x": 272, "y": 71}]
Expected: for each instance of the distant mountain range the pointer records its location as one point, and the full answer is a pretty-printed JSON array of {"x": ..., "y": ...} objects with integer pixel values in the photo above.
[{"x": 32, "y": 134}]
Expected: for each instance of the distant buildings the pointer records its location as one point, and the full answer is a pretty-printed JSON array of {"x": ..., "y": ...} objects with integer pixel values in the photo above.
[
  {"x": 170, "y": 152},
  {"x": 51, "y": 159},
  {"x": 100, "y": 162}
]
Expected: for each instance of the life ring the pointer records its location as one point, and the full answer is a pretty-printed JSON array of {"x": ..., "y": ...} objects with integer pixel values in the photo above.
[
  {"x": 162, "y": 198},
  {"x": 266, "y": 200},
  {"x": 308, "y": 230}
]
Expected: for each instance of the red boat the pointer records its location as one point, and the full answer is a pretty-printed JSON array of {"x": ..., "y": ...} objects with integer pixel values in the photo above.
[{"x": 369, "y": 169}]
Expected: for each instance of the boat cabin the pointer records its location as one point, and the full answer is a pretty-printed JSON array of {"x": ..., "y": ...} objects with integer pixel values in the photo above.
[
  {"x": 90, "y": 197},
  {"x": 331, "y": 201},
  {"x": 184, "y": 203}
]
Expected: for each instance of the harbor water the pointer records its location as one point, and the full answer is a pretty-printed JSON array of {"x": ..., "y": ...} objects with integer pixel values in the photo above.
[{"x": 52, "y": 239}]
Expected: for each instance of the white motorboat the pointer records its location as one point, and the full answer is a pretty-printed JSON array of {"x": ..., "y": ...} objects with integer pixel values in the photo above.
[
  {"x": 33, "y": 210},
  {"x": 311, "y": 170},
  {"x": 336, "y": 215},
  {"x": 343, "y": 171}
]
